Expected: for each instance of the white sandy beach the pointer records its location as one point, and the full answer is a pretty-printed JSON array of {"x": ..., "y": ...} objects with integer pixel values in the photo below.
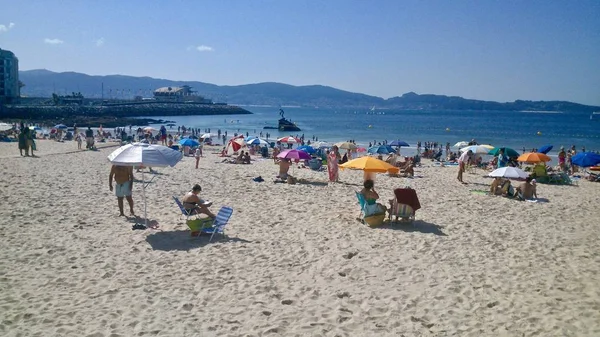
[{"x": 295, "y": 262}]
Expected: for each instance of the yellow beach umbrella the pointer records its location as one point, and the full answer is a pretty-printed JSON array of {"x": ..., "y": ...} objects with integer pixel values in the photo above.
[
  {"x": 533, "y": 157},
  {"x": 488, "y": 146},
  {"x": 369, "y": 164}
]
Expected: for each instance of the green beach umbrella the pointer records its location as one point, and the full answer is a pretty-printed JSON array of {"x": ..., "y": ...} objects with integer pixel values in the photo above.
[{"x": 507, "y": 151}]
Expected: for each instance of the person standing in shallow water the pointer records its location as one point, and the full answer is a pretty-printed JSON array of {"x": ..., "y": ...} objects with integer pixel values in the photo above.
[{"x": 123, "y": 176}]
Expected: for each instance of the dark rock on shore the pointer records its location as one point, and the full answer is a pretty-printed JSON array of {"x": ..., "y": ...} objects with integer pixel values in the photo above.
[{"x": 112, "y": 115}]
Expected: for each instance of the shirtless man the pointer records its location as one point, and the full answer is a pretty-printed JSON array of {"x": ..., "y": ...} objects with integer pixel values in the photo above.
[
  {"x": 526, "y": 190},
  {"x": 194, "y": 205},
  {"x": 124, "y": 178},
  {"x": 284, "y": 167}
]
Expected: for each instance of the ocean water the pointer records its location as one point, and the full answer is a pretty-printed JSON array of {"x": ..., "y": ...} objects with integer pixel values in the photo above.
[{"x": 498, "y": 128}]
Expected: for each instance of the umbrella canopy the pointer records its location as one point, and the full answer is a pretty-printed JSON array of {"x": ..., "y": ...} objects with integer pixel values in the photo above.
[
  {"x": 294, "y": 154},
  {"x": 369, "y": 164},
  {"x": 545, "y": 149},
  {"x": 249, "y": 138},
  {"x": 208, "y": 135},
  {"x": 461, "y": 144},
  {"x": 60, "y": 126},
  {"x": 477, "y": 149},
  {"x": 307, "y": 148},
  {"x": 5, "y": 126},
  {"x": 320, "y": 145},
  {"x": 289, "y": 140},
  {"x": 586, "y": 159},
  {"x": 346, "y": 145},
  {"x": 361, "y": 149},
  {"x": 489, "y": 147},
  {"x": 398, "y": 143},
  {"x": 507, "y": 151},
  {"x": 189, "y": 142},
  {"x": 509, "y": 172},
  {"x": 382, "y": 149},
  {"x": 257, "y": 141},
  {"x": 138, "y": 154},
  {"x": 534, "y": 157},
  {"x": 236, "y": 143}
]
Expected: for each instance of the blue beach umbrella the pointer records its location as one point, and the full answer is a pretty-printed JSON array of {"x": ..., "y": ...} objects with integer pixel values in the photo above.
[
  {"x": 398, "y": 143},
  {"x": 545, "y": 149},
  {"x": 586, "y": 159},
  {"x": 257, "y": 141},
  {"x": 381, "y": 149},
  {"x": 60, "y": 126},
  {"x": 189, "y": 142},
  {"x": 307, "y": 149},
  {"x": 249, "y": 138}
]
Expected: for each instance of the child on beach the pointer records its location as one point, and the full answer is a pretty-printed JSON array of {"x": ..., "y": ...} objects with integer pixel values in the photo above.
[{"x": 197, "y": 154}]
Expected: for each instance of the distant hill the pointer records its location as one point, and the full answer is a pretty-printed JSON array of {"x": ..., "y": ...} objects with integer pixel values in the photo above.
[{"x": 44, "y": 83}]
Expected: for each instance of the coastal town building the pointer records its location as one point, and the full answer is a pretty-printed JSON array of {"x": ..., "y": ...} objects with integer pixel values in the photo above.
[
  {"x": 9, "y": 77},
  {"x": 180, "y": 94}
]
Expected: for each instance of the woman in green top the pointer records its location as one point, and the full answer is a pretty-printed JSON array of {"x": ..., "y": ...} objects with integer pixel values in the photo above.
[{"x": 371, "y": 196}]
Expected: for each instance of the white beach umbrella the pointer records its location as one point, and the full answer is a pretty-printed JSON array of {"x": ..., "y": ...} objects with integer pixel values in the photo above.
[
  {"x": 509, "y": 172},
  {"x": 476, "y": 149},
  {"x": 5, "y": 126},
  {"x": 142, "y": 154},
  {"x": 208, "y": 135},
  {"x": 461, "y": 144}
]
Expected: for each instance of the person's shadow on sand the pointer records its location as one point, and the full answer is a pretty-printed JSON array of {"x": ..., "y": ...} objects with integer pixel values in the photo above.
[
  {"x": 181, "y": 240},
  {"x": 416, "y": 226}
]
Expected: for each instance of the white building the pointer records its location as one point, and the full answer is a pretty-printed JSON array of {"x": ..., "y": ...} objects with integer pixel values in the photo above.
[{"x": 9, "y": 76}]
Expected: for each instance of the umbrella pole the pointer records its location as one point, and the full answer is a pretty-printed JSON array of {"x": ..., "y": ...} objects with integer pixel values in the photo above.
[{"x": 144, "y": 198}]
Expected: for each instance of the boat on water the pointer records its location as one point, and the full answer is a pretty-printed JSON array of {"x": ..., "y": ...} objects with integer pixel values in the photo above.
[
  {"x": 284, "y": 124},
  {"x": 595, "y": 115}
]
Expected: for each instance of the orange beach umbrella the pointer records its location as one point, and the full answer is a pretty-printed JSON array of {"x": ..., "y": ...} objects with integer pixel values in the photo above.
[
  {"x": 533, "y": 157},
  {"x": 369, "y": 164}
]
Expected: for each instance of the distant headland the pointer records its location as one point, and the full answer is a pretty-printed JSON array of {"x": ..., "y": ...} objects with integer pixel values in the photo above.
[{"x": 44, "y": 82}]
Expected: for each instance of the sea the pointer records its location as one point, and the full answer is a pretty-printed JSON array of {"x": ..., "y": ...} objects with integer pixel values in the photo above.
[{"x": 518, "y": 130}]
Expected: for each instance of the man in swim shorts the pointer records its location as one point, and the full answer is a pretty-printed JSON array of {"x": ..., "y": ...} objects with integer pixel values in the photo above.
[{"x": 123, "y": 176}]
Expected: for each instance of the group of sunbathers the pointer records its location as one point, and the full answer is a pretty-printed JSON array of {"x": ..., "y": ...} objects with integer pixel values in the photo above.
[{"x": 525, "y": 190}]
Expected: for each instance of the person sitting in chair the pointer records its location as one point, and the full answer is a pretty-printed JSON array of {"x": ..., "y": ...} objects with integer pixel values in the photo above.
[
  {"x": 372, "y": 206},
  {"x": 194, "y": 205}
]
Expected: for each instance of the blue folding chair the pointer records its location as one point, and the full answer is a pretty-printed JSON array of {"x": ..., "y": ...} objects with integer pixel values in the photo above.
[
  {"x": 218, "y": 225},
  {"x": 362, "y": 202},
  {"x": 184, "y": 212}
]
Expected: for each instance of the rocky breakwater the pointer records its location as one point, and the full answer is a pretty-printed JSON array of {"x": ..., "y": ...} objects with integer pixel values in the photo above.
[{"x": 112, "y": 114}]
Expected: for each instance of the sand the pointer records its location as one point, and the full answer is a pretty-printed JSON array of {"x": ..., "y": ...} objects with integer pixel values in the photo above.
[{"x": 295, "y": 261}]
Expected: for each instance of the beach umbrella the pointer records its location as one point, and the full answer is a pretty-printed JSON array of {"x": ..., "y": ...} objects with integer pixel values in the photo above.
[
  {"x": 461, "y": 144},
  {"x": 236, "y": 143},
  {"x": 489, "y": 147},
  {"x": 382, "y": 149},
  {"x": 369, "y": 164},
  {"x": 289, "y": 140},
  {"x": 509, "y": 172},
  {"x": 586, "y": 159},
  {"x": 545, "y": 149},
  {"x": 398, "y": 143},
  {"x": 534, "y": 157},
  {"x": 477, "y": 149},
  {"x": 257, "y": 141},
  {"x": 361, "y": 149},
  {"x": 141, "y": 154},
  {"x": 321, "y": 145},
  {"x": 60, "y": 126},
  {"x": 307, "y": 148},
  {"x": 249, "y": 138},
  {"x": 507, "y": 151},
  {"x": 294, "y": 154},
  {"x": 189, "y": 142},
  {"x": 208, "y": 135},
  {"x": 346, "y": 146},
  {"x": 5, "y": 126}
]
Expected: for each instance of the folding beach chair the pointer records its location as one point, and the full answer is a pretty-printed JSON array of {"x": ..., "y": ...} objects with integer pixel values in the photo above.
[
  {"x": 218, "y": 225},
  {"x": 184, "y": 212},
  {"x": 362, "y": 202}
]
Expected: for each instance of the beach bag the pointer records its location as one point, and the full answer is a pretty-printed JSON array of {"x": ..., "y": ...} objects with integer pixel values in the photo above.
[
  {"x": 375, "y": 220},
  {"x": 196, "y": 225}
]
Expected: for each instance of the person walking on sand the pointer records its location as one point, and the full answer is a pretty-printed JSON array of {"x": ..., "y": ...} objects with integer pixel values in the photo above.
[
  {"x": 332, "y": 164},
  {"x": 123, "y": 176},
  {"x": 197, "y": 155},
  {"x": 464, "y": 159}
]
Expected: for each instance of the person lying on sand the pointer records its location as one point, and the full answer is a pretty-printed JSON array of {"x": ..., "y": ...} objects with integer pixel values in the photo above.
[{"x": 194, "y": 205}]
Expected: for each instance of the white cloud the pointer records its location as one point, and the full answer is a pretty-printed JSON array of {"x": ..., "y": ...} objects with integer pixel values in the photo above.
[
  {"x": 4, "y": 28},
  {"x": 100, "y": 42},
  {"x": 202, "y": 48},
  {"x": 53, "y": 41}
]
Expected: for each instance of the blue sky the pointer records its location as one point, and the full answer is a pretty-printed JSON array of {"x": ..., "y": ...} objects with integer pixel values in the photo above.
[{"x": 493, "y": 50}]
